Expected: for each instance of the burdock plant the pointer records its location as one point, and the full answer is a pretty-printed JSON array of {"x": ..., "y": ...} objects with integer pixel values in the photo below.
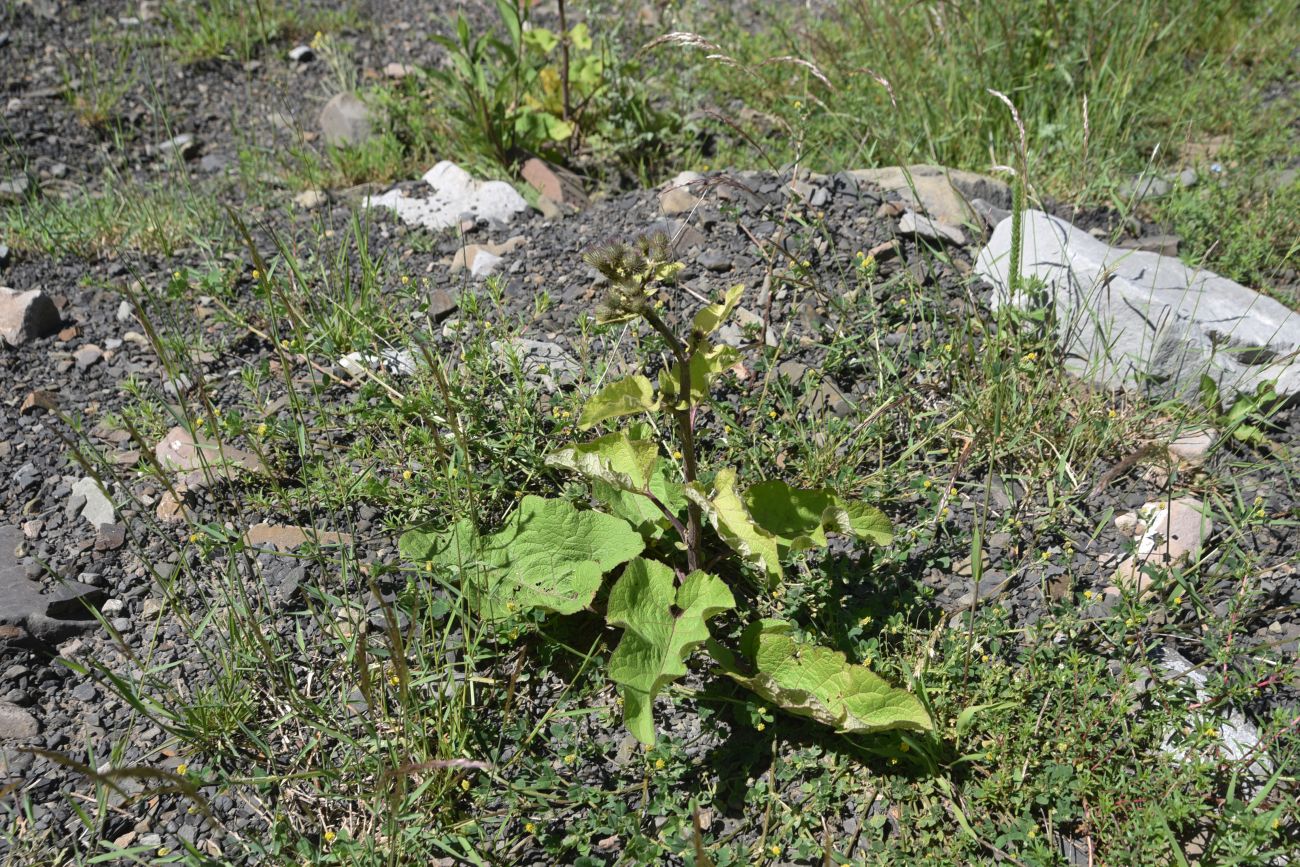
[{"x": 552, "y": 556}]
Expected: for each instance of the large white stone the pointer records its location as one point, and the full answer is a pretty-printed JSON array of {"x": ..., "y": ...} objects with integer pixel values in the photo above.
[
  {"x": 1131, "y": 319},
  {"x": 455, "y": 193}
]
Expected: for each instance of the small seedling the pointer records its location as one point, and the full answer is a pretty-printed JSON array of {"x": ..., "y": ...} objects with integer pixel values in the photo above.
[{"x": 552, "y": 556}]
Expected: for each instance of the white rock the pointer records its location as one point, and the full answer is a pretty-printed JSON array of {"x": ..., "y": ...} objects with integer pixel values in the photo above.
[
  {"x": 99, "y": 508},
  {"x": 1131, "y": 319},
  {"x": 1239, "y": 736},
  {"x": 455, "y": 193},
  {"x": 913, "y": 223}
]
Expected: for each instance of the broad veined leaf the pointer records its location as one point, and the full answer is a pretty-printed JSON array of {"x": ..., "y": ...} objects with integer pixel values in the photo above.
[
  {"x": 706, "y": 363},
  {"x": 800, "y": 518},
  {"x": 614, "y": 459},
  {"x": 625, "y": 397},
  {"x": 736, "y": 527},
  {"x": 869, "y": 523},
  {"x": 711, "y": 318},
  {"x": 819, "y": 683},
  {"x": 662, "y": 624},
  {"x": 549, "y": 555}
]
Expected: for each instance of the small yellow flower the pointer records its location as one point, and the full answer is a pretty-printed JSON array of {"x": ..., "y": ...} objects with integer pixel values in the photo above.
[
  {"x": 904, "y": 746},
  {"x": 330, "y": 836},
  {"x": 927, "y": 484},
  {"x": 405, "y": 280},
  {"x": 1033, "y": 832},
  {"x": 176, "y": 275},
  {"x": 464, "y": 785},
  {"x": 806, "y": 263},
  {"x": 182, "y": 769},
  {"x": 530, "y": 827},
  {"x": 1031, "y": 356},
  {"x": 261, "y": 429},
  {"x": 163, "y": 851},
  {"x": 659, "y": 764},
  {"x": 774, "y": 850},
  {"x": 194, "y": 537},
  {"x": 1087, "y": 594},
  {"x": 570, "y": 758},
  {"x": 1211, "y": 732},
  {"x": 677, "y": 456},
  {"x": 1110, "y": 413},
  {"x": 771, "y": 413},
  {"x": 257, "y": 275},
  {"x": 1178, "y": 600},
  {"x": 984, "y": 658},
  {"x": 761, "y": 726},
  {"x": 394, "y": 680},
  {"x": 406, "y": 475}
]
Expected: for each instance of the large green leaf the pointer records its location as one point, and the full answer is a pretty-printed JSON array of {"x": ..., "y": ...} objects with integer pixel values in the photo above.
[
  {"x": 706, "y": 363},
  {"x": 663, "y": 625},
  {"x": 614, "y": 459},
  {"x": 819, "y": 683},
  {"x": 711, "y": 318},
  {"x": 800, "y": 518},
  {"x": 621, "y": 470},
  {"x": 736, "y": 527},
  {"x": 549, "y": 555},
  {"x": 625, "y": 397}
]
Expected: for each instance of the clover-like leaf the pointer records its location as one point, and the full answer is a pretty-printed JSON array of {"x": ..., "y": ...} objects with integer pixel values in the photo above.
[
  {"x": 549, "y": 555},
  {"x": 625, "y": 397},
  {"x": 710, "y": 319},
  {"x": 733, "y": 523},
  {"x": 819, "y": 683},
  {"x": 662, "y": 626}
]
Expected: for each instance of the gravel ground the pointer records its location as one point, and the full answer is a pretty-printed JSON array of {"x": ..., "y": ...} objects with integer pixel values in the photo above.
[{"x": 47, "y": 542}]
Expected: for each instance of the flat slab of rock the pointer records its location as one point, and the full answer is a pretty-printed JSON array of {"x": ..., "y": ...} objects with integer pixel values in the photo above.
[
  {"x": 945, "y": 194},
  {"x": 285, "y": 537},
  {"x": 16, "y": 723},
  {"x": 26, "y": 316},
  {"x": 454, "y": 194},
  {"x": 1132, "y": 319},
  {"x": 180, "y": 452},
  {"x": 47, "y": 617}
]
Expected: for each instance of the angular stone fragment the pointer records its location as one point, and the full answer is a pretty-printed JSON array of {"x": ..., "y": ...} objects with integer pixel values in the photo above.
[
  {"x": 942, "y": 193},
  {"x": 26, "y": 316},
  {"x": 913, "y": 223},
  {"x": 676, "y": 197},
  {"x": 1173, "y": 533},
  {"x": 286, "y": 537},
  {"x": 1131, "y": 319}
]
